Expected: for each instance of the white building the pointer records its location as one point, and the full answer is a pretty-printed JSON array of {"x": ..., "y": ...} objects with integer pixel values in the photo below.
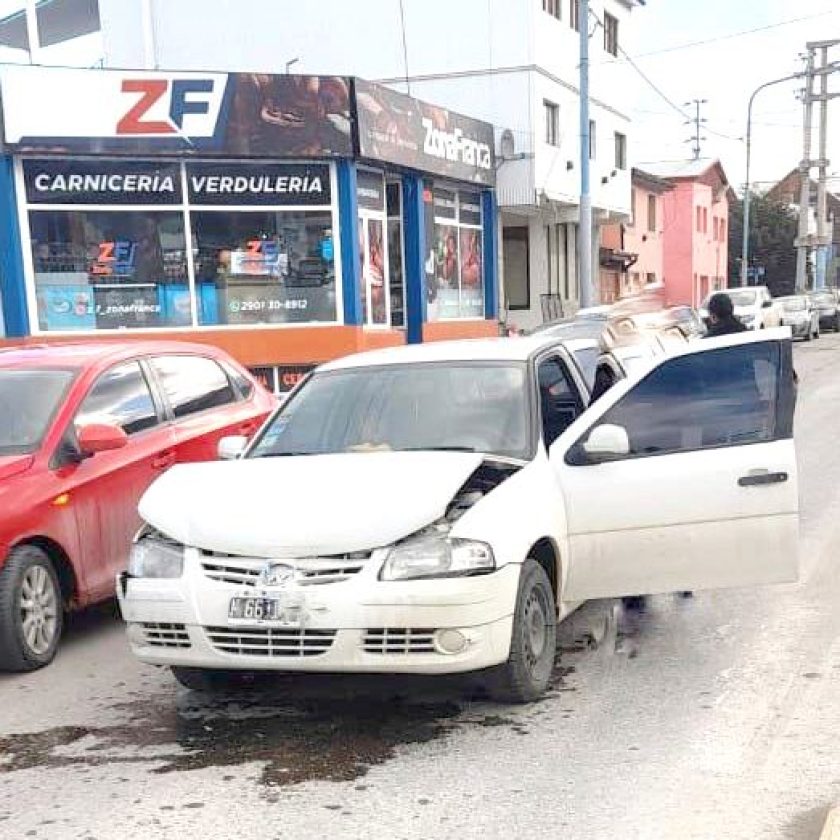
[{"x": 513, "y": 63}]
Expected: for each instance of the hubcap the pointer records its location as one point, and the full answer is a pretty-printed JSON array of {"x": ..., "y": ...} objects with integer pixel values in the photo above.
[
  {"x": 534, "y": 629},
  {"x": 38, "y": 609}
]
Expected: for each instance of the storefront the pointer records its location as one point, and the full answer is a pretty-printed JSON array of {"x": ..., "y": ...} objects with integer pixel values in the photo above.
[{"x": 288, "y": 219}]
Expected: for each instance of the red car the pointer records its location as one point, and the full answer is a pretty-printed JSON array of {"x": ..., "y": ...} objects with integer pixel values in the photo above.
[{"x": 84, "y": 430}]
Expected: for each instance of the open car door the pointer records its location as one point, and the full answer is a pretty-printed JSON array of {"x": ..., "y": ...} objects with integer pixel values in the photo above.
[{"x": 685, "y": 478}]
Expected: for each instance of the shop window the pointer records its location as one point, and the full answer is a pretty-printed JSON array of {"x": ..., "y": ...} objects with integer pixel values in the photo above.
[
  {"x": 120, "y": 269},
  {"x": 396, "y": 272},
  {"x": 264, "y": 266},
  {"x": 373, "y": 248},
  {"x": 454, "y": 264}
]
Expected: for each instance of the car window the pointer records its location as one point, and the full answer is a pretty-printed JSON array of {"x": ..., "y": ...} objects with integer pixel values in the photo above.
[
  {"x": 193, "y": 383},
  {"x": 29, "y": 399},
  {"x": 243, "y": 384},
  {"x": 559, "y": 400},
  {"x": 722, "y": 397},
  {"x": 587, "y": 359},
  {"x": 120, "y": 397}
]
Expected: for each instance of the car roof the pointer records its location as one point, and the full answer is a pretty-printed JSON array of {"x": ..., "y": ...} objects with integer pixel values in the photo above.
[
  {"x": 515, "y": 349},
  {"x": 86, "y": 353}
]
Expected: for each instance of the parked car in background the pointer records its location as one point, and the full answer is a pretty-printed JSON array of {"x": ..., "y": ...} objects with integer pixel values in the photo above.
[
  {"x": 437, "y": 508},
  {"x": 825, "y": 302},
  {"x": 84, "y": 430},
  {"x": 754, "y": 307},
  {"x": 800, "y": 313}
]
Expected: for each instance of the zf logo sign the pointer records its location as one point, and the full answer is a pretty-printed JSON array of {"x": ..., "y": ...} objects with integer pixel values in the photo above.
[{"x": 162, "y": 104}]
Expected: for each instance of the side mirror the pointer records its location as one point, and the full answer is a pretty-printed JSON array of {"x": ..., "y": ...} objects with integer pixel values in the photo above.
[
  {"x": 100, "y": 437},
  {"x": 606, "y": 442},
  {"x": 231, "y": 447},
  {"x": 766, "y": 304}
]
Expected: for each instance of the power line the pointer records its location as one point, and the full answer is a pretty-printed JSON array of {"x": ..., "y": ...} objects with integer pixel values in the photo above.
[{"x": 731, "y": 35}]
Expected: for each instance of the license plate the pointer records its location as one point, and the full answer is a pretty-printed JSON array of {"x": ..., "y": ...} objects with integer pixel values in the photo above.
[{"x": 270, "y": 610}]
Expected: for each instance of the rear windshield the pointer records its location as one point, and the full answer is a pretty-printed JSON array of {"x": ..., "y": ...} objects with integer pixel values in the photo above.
[{"x": 29, "y": 400}]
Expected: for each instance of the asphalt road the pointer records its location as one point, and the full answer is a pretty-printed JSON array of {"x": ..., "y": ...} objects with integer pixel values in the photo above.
[{"x": 715, "y": 717}]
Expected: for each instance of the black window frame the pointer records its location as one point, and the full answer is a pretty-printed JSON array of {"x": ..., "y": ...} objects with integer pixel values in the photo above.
[
  {"x": 159, "y": 379},
  {"x": 785, "y": 401}
]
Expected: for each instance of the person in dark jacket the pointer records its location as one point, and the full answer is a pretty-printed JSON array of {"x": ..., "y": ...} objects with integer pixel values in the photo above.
[{"x": 722, "y": 320}]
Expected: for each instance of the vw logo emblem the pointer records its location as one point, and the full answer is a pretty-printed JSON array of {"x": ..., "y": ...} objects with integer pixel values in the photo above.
[{"x": 276, "y": 574}]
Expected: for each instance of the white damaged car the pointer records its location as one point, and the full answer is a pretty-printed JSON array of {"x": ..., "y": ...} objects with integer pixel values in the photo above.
[{"x": 438, "y": 508}]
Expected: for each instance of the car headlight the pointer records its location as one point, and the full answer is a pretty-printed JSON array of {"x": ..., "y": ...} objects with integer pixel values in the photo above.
[
  {"x": 154, "y": 556},
  {"x": 437, "y": 556}
]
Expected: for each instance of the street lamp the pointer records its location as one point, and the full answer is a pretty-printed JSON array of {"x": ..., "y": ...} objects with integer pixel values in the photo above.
[
  {"x": 745, "y": 246},
  {"x": 290, "y": 64}
]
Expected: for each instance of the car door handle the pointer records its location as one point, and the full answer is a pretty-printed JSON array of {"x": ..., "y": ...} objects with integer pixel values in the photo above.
[
  {"x": 163, "y": 460},
  {"x": 758, "y": 479}
]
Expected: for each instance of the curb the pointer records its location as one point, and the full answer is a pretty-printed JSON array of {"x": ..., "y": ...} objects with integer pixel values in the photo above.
[{"x": 831, "y": 829}]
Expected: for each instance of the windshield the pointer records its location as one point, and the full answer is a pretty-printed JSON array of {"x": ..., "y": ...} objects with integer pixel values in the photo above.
[
  {"x": 28, "y": 401},
  {"x": 796, "y": 304},
  {"x": 473, "y": 407},
  {"x": 742, "y": 297}
]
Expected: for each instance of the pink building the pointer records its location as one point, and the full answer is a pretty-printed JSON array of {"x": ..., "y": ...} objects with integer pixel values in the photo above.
[
  {"x": 632, "y": 254},
  {"x": 695, "y": 228}
]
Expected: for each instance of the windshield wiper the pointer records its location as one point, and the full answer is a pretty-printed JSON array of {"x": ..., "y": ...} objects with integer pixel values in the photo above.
[
  {"x": 438, "y": 449},
  {"x": 284, "y": 454}
]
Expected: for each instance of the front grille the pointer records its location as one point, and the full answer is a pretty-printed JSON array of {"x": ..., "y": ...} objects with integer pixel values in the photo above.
[
  {"x": 270, "y": 641},
  {"x": 166, "y": 635},
  {"x": 244, "y": 572},
  {"x": 399, "y": 640}
]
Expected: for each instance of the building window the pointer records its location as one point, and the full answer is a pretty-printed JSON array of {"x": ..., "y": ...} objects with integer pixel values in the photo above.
[
  {"x": 650, "y": 278},
  {"x": 699, "y": 224},
  {"x": 651, "y": 214},
  {"x": 574, "y": 14},
  {"x": 632, "y": 206},
  {"x": 593, "y": 140},
  {"x": 455, "y": 269},
  {"x": 552, "y": 7},
  {"x": 705, "y": 220},
  {"x": 552, "y": 123},
  {"x": 722, "y": 230},
  {"x": 620, "y": 151},
  {"x": 610, "y": 34}
]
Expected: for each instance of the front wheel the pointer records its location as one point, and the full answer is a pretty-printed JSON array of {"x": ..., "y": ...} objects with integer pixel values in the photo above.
[
  {"x": 31, "y": 610},
  {"x": 527, "y": 672}
]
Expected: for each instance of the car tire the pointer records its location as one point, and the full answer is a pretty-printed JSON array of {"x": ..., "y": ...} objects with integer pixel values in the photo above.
[
  {"x": 209, "y": 679},
  {"x": 527, "y": 673},
  {"x": 31, "y": 610}
]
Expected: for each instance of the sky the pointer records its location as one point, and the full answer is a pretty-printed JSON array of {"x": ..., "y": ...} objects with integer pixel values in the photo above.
[
  {"x": 717, "y": 50},
  {"x": 744, "y": 44}
]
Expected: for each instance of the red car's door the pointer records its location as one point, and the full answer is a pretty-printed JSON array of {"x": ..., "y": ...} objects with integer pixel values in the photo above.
[
  {"x": 104, "y": 489},
  {"x": 204, "y": 405}
]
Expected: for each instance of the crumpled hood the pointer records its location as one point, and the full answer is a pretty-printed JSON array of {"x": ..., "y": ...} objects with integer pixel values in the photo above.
[
  {"x": 12, "y": 465},
  {"x": 306, "y": 506}
]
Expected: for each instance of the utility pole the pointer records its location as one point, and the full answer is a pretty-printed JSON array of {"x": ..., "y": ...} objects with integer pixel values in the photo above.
[
  {"x": 823, "y": 237},
  {"x": 585, "y": 226},
  {"x": 698, "y": 121},
  {"x": 805, "y": 174},
  {"x": 745, "y": 245}
]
